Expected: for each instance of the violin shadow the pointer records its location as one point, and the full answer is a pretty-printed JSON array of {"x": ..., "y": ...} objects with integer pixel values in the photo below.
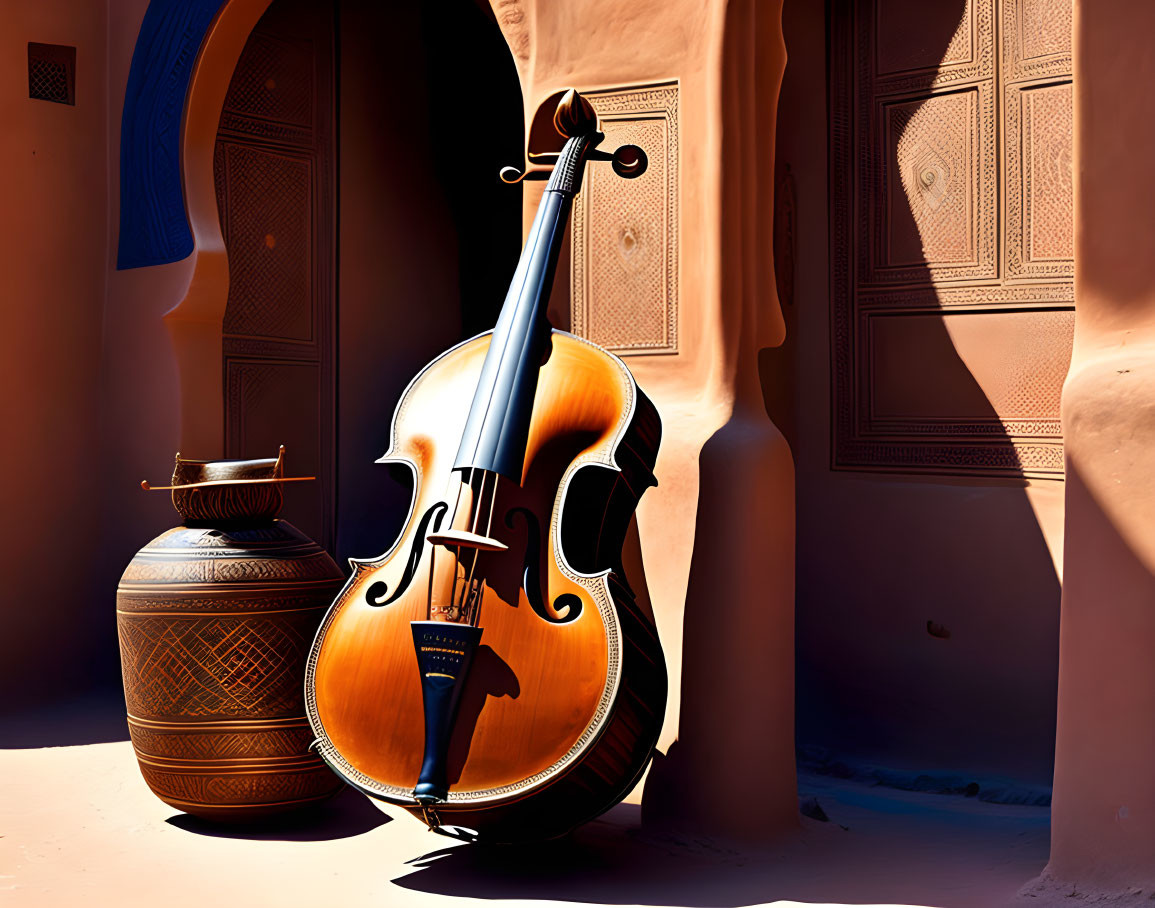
[
  {"x": 489, "y": 676},
  {"x": 342, "y": 816},
  {"x": 607, "y": 861}
]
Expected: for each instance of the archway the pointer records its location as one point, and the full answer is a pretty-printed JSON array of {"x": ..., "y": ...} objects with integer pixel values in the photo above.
[{"x": 429, "y": 234}]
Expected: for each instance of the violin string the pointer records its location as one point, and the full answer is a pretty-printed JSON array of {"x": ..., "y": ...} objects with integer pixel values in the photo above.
[
  {"x": 433, "y": 549},
  {"x": 474, "y": 603},
  {"x": 429, "y": 597},
  {"x": 476, "y": 618},
  {"x": 457, "y": 551},
  {"x": 467, "y": 588},
  {"x": 480, "y": 497},
  {"x": 492, "y": 502}
]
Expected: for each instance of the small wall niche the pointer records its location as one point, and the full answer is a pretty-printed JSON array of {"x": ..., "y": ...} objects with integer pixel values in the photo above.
[{"x": 52, "y": 73}]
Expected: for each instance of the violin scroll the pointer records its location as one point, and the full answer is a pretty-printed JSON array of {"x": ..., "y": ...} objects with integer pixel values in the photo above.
[{"x": 575, "y": 116}]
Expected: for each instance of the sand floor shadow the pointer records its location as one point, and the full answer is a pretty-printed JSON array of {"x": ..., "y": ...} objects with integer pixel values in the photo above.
[
  {"x": 97, "y": 718},
  {"x": 343, "y": 816},
  {"x": 888, "y": 847}
]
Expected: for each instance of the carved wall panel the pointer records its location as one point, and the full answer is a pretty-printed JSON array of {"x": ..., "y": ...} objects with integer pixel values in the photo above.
[
  {"x": 273, "y": 81},
  {"x": 275, "y": 190},
  {"x": 624, "y": 275},
  {"x": 934, "y": 215},
  {"x": 1040, "y": 227},
  {"x": 912, "y": 45},
  {"x": 951, "y": 234},
  {"x": 267, "y": 223},
  {"x": 269, "y": 403},
  {"x": 1037, "y": 39},
  {"x": 918, "y": 366},
  {"x": 245, "y": 666}
]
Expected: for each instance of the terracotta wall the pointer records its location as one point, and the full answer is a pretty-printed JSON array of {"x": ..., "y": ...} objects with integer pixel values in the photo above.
[
  {"x": 140, "y": 393},
  {"x": 87, "y": 346},
  {"x": 716, "y": 535},
  {"x": 94, "y": 407},
  {"x": 881, "y": 555},
  {"x": 1103, "y": 833},
  {"x": 878, "y": 556},
  {"x": 54, "y": 162}
]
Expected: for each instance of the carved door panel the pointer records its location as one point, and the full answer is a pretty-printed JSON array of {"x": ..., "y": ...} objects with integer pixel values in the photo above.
[
  {"x": 275, "y": 187},
  {"x": 951, "y": 234}
]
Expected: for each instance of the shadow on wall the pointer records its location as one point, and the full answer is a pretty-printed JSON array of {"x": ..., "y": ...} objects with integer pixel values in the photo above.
[{"x": 927, "y": 607}]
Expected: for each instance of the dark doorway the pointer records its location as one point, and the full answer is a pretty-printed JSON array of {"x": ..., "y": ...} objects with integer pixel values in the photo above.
[{"x": 274, "y": 172}]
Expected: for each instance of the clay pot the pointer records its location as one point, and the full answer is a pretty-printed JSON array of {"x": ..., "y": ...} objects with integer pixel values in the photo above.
[{"x": 215, "y": 620}]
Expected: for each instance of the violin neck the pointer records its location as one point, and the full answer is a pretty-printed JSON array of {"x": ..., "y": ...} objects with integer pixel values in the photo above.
[{"x": 497, "y": 428}]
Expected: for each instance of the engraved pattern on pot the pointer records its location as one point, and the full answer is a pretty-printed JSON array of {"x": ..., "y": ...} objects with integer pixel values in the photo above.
[{"x": 214, "y": 666}]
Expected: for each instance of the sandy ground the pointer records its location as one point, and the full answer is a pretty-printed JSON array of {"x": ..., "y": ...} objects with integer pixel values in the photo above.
[{"x": 78, "y": 827}]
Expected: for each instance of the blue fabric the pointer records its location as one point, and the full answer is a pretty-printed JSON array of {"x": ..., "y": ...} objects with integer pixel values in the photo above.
[{"x": 154, "y": 226}]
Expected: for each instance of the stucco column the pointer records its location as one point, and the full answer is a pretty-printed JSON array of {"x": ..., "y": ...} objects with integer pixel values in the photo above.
[
  {"x": 717, "y": 534},
  {"x": 1104, "y": 797}
]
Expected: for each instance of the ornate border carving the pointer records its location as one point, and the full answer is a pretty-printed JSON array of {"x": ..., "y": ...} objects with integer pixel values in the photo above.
[
  {"x": 991, "y": 447},
  {"x": 980, "y": 65},
  {"x": 1017, "y": 65},
  {"x": 873, "y": 218},
  {"x": 625, "y": 104}
]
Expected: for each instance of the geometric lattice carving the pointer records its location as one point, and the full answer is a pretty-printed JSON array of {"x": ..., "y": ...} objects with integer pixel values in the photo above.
[
  {"x": 1040, "y": 197},
  {"x": 268, "y": 232},
  {"x": 273, "y": 81},
  {"x": 187, "y": 666},
  {"x": 949, "y": 346},
  {"x": 52, "y": 73},
  {"x": 908, "y": 46},
  {"x": 624, "y": 277},
  {"x": 1036, "y": 39},
  {"x": 1048, "y": 190},
  {"x": 275, "y": 191},
  {"x": 938, "y": 202},
  {"x": 1044, "y": 27}
]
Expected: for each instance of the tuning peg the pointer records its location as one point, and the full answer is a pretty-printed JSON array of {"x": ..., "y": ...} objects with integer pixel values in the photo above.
[
  {"x": 629, "y": 161},
  {"x": 538, "y": 167}
]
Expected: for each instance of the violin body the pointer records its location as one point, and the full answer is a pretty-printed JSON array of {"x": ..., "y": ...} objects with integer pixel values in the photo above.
[{"x": 561, "y": 705}]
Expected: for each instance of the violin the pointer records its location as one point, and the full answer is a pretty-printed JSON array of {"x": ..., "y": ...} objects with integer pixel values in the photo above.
[{"x": 492, "y": 672}]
